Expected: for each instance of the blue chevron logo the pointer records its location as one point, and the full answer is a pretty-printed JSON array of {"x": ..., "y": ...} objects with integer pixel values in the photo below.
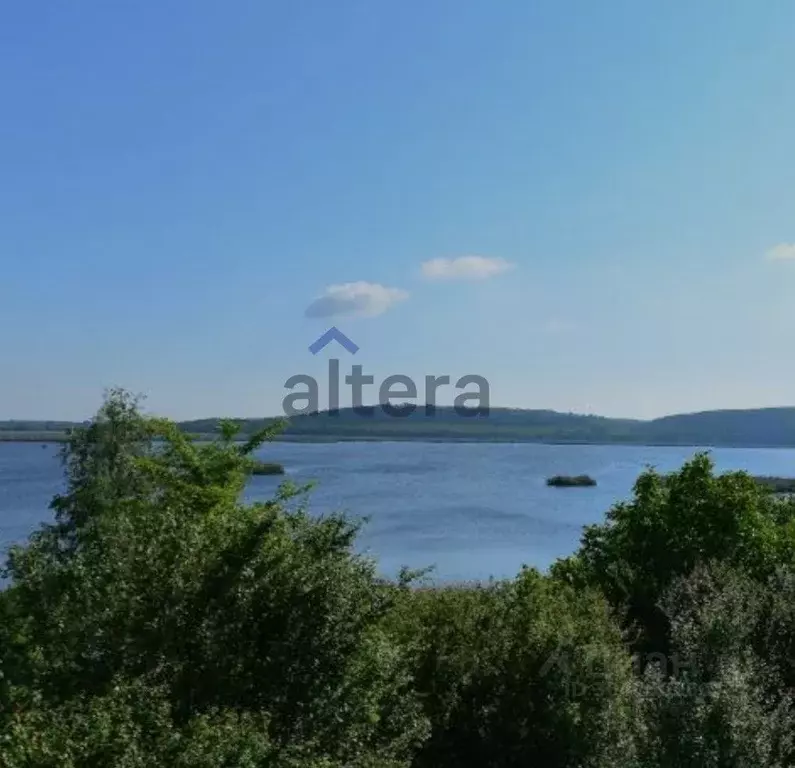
[{"x": 333, "y": 334}]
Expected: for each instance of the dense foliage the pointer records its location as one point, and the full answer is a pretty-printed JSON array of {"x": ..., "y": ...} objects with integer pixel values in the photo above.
[{"x": 161, "y": 621}]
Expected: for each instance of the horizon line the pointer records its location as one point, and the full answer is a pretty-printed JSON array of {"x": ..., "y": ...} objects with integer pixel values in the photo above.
[{"x": 432, "y": 405}]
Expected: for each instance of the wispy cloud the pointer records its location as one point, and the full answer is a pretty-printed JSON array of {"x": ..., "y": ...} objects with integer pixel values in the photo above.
[
  {"x": 359, "y": 298},
  {"x": 464, "y": 268},
  {"x": 781, "y": 252}
]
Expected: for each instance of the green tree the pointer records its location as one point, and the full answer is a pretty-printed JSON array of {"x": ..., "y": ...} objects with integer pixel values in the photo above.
[
  {"x": 158, "y": 582},
  {"x": 520, "y": 672},
  {"x": 723, "y": 706},
  {"x": 674, "y": 523}
]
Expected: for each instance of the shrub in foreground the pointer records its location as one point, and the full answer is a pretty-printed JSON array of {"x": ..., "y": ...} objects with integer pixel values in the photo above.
[
  {"x": 160, "y": 608},
  {"x": 519, "y": 672},
  {"x": 723, "y": 704},
  {"x": 673, "y": 523}
]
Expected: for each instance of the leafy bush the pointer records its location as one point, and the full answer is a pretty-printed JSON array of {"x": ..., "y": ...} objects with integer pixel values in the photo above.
[
  {"x": 156, "y": 575},
  {"x": 519, "y": 672},
  {"x": 674, "y": 523},
  {"x": 724, "y": 705}
]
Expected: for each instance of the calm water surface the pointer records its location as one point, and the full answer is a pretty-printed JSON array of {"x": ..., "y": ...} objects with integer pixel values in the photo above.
[{"x": 472, "y": 510}]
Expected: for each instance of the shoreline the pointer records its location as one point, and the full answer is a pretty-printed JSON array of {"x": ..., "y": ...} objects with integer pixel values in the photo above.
[{"x": 59, "y": 438}]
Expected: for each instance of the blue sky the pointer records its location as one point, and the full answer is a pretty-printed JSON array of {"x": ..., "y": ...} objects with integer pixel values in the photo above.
[{"x": 182, "y": 181}]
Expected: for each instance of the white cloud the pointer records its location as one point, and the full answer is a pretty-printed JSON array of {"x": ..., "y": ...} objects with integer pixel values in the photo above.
[
  {"x": 464, "y": 268},
  {"x": 360, "y": 298},
  {"x": 782, "y": 252}
]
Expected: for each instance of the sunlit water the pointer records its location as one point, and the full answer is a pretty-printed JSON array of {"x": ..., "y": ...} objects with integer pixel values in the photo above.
[{"x": 472, "y": 510}]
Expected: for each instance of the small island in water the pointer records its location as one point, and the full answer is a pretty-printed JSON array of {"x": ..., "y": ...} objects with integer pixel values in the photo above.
[
  {"x": 571, "y": 481},
  {"x": 267, "y": 468}
]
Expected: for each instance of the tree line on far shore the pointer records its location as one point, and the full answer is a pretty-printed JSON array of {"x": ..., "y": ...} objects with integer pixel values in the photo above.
[{"x": 764, "y": 427}]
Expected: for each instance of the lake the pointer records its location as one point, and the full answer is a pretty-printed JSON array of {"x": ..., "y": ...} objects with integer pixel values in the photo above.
[{"x": 472, "y": 510}]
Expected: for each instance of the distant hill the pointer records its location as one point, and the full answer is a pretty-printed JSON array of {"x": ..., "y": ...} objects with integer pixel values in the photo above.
[
  {"x": 756, "y": 427},
  {"x": 766, "y": 427}
]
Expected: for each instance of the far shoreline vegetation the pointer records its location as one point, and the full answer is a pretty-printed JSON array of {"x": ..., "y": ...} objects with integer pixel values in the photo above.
[{"x": 753, "y": 428}]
